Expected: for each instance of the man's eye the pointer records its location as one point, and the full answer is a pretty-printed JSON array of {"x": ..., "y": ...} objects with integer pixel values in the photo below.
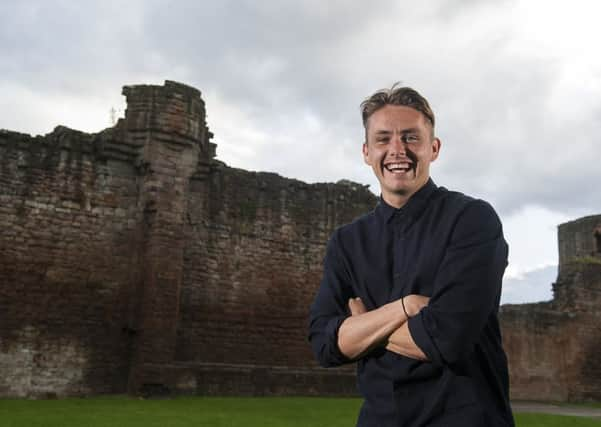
[
  {"x": 410, "y": 138},
  {"x": 382, "y": 141}
]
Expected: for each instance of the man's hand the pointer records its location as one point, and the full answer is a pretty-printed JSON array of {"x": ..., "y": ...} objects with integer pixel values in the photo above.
[
  {"x": 414, "y": 303},
  {"x": 356, "y": 306},
  {"x": 401, "y": 341}
]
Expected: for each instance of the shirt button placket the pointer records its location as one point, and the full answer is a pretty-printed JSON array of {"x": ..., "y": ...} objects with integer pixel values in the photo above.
[{"x": 398, "y": 250}]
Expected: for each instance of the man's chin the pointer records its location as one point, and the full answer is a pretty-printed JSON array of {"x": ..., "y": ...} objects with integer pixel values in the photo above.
[
  {"x": 395, "y": 179},
  {"x": 401, "y": 187},
  {"x": 396, "y": 191}
]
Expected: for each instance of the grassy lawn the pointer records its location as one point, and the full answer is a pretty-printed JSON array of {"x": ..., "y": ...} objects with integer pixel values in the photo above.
[
  {"x": 544, "y": 420},
  {"x": 213, "y": 412}
]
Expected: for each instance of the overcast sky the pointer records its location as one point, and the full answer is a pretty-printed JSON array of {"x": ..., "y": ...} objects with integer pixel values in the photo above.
[{"x": 515, "y": 86}]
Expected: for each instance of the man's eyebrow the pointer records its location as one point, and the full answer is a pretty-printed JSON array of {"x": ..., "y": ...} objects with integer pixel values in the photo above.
[
  {"x": 388, "y": 132},
  {"x": 410, "y": 130}
]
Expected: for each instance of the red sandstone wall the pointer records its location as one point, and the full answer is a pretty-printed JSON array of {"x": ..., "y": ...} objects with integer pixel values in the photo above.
[
  {"x": 553, "y": 348},
  {"x": 541, "y": 351},
  {"x": 253, "y": 261},
  {"x": 130, "y": 260},
  {"x": 68, "y": 222}
]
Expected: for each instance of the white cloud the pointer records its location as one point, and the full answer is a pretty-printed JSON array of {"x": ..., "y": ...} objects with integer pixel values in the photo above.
[
  {"x": 533, "y": 286},
  {"x": 531, "y": 234},
  {"x": 28, "y": 111}
]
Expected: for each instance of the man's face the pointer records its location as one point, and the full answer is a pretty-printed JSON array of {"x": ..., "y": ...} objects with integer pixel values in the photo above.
[{"x": 400, "y": 147}]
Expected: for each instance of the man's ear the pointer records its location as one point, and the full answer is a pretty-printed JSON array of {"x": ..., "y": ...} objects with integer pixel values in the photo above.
[
  {"x": 365, "y": 154},
  {"x": 435, "y": 149}
]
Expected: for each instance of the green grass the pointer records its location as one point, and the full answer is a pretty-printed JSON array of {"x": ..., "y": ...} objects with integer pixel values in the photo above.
[
  {"x": 209, "y": 411},
  {"x": 544, "y": 420},
  {"x": 217, "y": 412}
]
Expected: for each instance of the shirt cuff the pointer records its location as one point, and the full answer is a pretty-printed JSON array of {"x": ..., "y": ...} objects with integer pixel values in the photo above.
[
  {"x": 422, "y": 338},
  {"x": 335, "y": 355}
]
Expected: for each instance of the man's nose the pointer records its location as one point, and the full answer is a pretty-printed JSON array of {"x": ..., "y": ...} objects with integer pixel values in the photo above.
[{"x": 398, "y": 146}]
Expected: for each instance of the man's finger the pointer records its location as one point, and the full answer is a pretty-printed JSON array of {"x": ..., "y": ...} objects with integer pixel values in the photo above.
[{"x": 356, "y": 306}]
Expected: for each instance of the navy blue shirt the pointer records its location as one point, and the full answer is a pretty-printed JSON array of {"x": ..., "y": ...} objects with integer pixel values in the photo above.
[{"x": 440, "y": 244}]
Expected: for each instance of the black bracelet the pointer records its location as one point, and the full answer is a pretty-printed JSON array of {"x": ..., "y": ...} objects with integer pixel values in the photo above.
[{"x": 403, "y": 304}]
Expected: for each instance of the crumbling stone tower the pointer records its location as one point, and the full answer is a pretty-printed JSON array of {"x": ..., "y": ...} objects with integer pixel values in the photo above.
[
  {"x": 167, "y": 126},
  {"x": 91, "y": 252},
  {"x": 554, "y": 347}
]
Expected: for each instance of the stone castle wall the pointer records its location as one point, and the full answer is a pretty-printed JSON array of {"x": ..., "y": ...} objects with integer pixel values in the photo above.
[
  {"x": 554, "y": 346},
  {"x": 133, "y": 261},
  {"x": 69, "y": 228},
  {"x": 254, "y": 249}
]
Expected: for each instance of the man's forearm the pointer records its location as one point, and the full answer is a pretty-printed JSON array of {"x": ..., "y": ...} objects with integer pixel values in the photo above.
[
  {"x": 365, "y": 330},
  {"x": 360, "y": 333}
]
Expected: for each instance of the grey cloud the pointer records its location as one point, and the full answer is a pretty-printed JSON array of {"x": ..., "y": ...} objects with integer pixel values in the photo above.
[
  {"x": 68, "y": 47},
  {"x": 277, "y": 62}
]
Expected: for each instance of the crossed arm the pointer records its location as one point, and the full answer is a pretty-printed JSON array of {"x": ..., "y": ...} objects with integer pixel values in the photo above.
[
  {"x": 465, "y": 293},
  {"x": 384, "y": 326}
]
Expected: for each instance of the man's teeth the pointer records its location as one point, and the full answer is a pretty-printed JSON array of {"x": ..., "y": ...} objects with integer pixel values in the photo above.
[{"x": 398, "y": 167}]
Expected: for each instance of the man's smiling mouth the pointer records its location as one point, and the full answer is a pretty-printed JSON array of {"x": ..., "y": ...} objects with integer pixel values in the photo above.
[{"x": 398, "y": 167}]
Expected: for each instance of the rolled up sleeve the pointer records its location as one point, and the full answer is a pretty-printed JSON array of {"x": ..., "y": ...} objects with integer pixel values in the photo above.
[
  {"x": 466, "y": 289},
  {"x": 329, "y": 309}
]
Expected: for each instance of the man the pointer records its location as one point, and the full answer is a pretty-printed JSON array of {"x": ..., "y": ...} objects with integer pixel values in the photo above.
[{"x": 411, "y": 290}]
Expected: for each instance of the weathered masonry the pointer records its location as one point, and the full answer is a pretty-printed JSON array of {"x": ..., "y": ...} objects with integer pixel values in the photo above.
[
  {"x": 554, "y": 347},
  {"x": 132, "y": 260}
]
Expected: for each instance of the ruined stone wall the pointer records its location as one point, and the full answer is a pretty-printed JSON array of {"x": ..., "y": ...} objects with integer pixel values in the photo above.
[
  {"x": 579, "y": 240},
  {"x": 132, "y": 260},
  {"x": 68, "y": 220},
  {"x": 553, "y": 347},
  {"x": 253, "y": 262}
]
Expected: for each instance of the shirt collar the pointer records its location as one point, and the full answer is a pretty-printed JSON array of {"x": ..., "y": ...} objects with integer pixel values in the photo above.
[{"x": 413, "y": 207}]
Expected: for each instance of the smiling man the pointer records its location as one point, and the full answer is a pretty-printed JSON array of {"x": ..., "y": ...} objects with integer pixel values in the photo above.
[{"x": 411, "y": 290}]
